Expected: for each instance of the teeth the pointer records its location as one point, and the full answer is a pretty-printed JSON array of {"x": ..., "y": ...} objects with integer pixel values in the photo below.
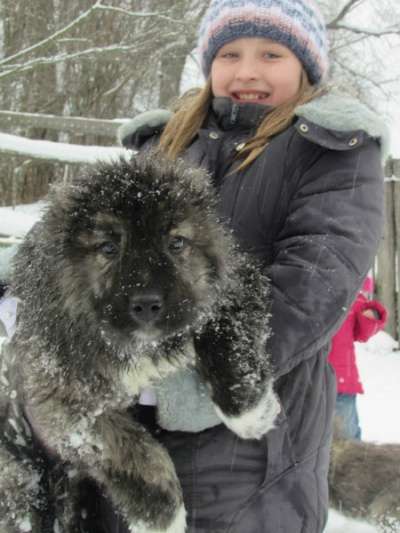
[{"x": 251, "y": 96}]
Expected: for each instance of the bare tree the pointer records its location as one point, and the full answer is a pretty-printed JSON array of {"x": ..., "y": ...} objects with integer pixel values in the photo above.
[
  {"x": 106, "y": 60},
  {"x": 363, "y": 35},
  {"x": 23, "y": 25}
]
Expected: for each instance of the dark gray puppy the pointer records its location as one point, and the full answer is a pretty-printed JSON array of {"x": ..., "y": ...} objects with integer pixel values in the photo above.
[
  {"x": 364, "y": 482},
  {"x": 127, "y": 270}
]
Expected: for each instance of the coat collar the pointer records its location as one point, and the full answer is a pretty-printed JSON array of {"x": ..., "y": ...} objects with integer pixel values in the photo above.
[{"x": 231, "y": 115}]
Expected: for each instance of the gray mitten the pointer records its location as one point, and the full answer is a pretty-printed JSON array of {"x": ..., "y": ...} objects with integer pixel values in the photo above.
[{"x": 184, "y": 404}]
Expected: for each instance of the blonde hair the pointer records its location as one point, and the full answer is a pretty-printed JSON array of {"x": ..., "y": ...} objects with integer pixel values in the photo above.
[{"x": 192, "y": 108}]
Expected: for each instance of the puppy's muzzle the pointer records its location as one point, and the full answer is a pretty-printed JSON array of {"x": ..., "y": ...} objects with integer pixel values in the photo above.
[{"x": 146, "y": 308}]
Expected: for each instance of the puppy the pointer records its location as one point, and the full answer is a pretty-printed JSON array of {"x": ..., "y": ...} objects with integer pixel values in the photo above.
[{"x": 128, "y": 276}]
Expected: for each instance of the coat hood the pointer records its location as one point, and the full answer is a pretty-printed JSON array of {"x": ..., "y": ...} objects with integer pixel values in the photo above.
[{"x": 333, "y": 111}]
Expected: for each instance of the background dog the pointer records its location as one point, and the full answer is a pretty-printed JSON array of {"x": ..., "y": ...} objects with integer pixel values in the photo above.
[
  {"x": 127, "y": 269},
  {"x": 364, "y": 482}
]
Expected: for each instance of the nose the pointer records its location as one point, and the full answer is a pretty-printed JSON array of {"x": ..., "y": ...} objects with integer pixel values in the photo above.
[
  {"x": 246, "y": 71},
  {"x": 146, "y": 308}
]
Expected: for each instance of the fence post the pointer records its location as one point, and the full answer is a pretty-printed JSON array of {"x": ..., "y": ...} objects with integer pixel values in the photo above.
[
  {"x": 387, "y": 263},
  {"x": 396, "y": 202}
]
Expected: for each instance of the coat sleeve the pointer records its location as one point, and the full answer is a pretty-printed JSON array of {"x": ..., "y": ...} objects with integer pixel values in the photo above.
[
  {"x": 323, "y": 250},
  {"x": 364, "y": 327}
]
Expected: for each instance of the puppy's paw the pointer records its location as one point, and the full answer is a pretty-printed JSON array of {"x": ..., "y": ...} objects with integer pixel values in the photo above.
[
  {"x": 257, "y": 421},
  {"x": 178, "y": 525}
]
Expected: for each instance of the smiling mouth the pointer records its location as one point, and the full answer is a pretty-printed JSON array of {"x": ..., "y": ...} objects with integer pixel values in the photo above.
[{"x": 249, "y": 96}]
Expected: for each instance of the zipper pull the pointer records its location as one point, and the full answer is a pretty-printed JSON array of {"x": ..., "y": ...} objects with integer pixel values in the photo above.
[{"x": 234, "y": 113}]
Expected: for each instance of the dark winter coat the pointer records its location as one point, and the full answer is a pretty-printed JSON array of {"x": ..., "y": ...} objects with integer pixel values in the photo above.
[
  {"x": 356, "y": 328},
  {"x": 310, "y": 208}
]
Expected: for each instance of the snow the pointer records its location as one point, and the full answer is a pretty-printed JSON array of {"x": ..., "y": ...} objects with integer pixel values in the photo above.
[
  {"x": 17, "y": 221},
  {"x": 63, "y": 152}
]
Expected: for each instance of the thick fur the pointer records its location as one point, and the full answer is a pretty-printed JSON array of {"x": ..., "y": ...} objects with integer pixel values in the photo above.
[
  {"x": 128, "y": 268},
  {"x": 364, "y": 482}
]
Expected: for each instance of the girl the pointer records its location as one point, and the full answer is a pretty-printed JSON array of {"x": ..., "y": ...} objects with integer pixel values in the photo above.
[
  {"x": 298, "y": 174},
  {"x": 365, "y": 318}
]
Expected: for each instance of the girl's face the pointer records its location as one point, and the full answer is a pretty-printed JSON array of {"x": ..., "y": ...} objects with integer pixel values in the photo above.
[{"x": 256, "y": 70}]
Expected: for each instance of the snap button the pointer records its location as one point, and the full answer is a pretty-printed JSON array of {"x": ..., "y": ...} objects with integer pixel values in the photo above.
[
  {"x": 304, "y": 128},
  {"x": 353, "y": 141},
  {"x": 213, "y": 135},
  {"x": 240, "y": 146}
]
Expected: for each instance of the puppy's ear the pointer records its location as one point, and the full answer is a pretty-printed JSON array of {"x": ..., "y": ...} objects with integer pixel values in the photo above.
[
  {"x": 201, "y": 189},
  {"x": 65, "y": 203},
  {"x": 59, "y": 195}
]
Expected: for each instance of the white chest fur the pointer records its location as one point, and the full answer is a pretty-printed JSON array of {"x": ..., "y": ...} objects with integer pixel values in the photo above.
[{"x": 146, "y": 372}]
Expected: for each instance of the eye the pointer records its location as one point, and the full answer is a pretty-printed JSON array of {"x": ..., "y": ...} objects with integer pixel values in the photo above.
[
  {"x": 108, "y": 248},
  {"x": 177, "y": 244},
  {"x": 271, "y": 55},
  {"x": 229, "y": 55}
]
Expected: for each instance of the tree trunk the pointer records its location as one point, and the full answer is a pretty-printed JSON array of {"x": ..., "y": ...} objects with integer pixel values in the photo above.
[
  {"x": 23, "y": 181},
  {"x": 171, "y": 68}
]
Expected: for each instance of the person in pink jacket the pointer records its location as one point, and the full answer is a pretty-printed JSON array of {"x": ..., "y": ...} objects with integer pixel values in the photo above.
[{"x": 366, "y": 317}]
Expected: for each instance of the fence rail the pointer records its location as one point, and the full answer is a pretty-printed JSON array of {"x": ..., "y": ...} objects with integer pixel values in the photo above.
[{"x": 75, "y": 125}]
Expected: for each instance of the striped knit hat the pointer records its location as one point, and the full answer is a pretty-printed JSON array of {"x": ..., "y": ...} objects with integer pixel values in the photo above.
[{"x": 297, "y": 24}]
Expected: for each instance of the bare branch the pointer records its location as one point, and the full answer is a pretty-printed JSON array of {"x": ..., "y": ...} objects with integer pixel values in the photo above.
[
  {"x": 52, "y": 37},
  {"x": 351, "y": 4},
  {"x": 104, "y": 53},
  {"x": 59, "y": 33},
  {"x": 360, "y": 75},
  {"x": 365, "y": 31},
  {"x": 137, "y": 14},
  {"x": 348, "y": 43}
]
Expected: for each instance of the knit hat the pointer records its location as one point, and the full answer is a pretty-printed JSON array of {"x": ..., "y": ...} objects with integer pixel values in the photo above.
[{"x": 297, "y": 24}]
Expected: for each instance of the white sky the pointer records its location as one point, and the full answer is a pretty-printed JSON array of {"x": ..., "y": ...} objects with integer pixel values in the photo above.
[{"x": 395, "y": 128}]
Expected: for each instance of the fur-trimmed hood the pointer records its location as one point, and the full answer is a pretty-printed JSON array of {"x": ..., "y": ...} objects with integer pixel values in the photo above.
[{"x": 339, "y": 113}]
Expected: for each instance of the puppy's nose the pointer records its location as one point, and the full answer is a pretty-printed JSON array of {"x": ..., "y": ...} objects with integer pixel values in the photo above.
[{"x": 146, "y": 308}]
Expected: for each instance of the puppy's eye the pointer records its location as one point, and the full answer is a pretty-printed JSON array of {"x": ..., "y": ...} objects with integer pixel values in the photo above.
[
  {"x": 177, "y": 244},
  {"x": 108, "y": 248}
]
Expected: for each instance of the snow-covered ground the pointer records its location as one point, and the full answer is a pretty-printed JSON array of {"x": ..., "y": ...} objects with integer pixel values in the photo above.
[{"x": 378, "y": 360}]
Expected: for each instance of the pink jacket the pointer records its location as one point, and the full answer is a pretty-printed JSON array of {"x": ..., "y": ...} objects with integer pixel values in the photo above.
[{"x": 356, "y": 327}]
